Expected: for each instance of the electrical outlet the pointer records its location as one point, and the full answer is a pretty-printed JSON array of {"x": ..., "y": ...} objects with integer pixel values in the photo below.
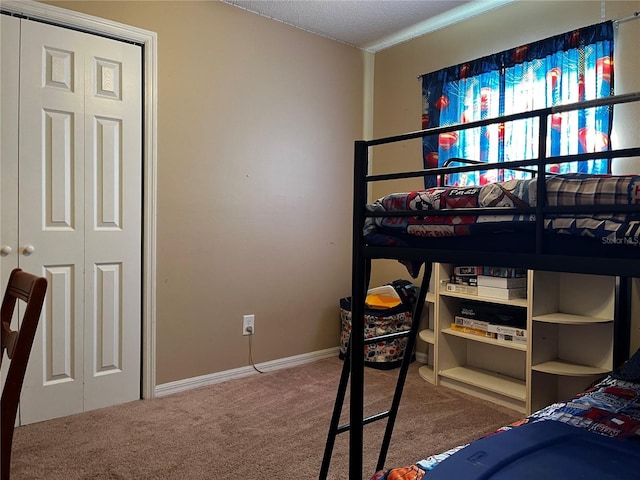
[{"x": 248, "y": 324}]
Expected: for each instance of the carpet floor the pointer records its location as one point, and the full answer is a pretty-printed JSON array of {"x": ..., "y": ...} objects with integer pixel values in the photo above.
[{"x": 270, "y": 425}]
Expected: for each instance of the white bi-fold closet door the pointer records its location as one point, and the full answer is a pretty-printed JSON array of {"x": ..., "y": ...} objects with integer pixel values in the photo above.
[{"x": 70, "y": 210}]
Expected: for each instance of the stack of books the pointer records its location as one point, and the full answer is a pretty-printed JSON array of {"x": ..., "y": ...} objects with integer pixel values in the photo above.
[
  {"x": 464, "y": 280},
  {"x": 472, "y": 325},
  {"x": 504, "y": 288},
  {"x": 459, "y": 326},
  {"x": 492, "y": 282},
  {"x": 500, "y": 322}
]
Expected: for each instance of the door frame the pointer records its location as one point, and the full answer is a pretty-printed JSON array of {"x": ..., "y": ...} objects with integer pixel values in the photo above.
[{"x": 149, "y": 41}]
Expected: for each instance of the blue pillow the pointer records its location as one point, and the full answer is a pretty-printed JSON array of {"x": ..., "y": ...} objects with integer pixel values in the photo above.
[{"x": 630, "y": 370}]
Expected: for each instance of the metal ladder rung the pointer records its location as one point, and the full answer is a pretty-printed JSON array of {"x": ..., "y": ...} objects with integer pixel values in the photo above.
[
  {"x": 355, "y": 464},
  {"x": 373, "y": 418},
  {"x": 387, "y": 336}
]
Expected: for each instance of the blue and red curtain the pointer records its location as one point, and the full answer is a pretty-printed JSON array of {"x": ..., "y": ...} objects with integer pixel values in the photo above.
[{"x": 563, "y": 69}]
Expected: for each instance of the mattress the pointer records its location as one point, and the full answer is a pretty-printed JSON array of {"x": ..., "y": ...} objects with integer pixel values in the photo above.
[
  {"x": 610, "y": 409},
  {"x": 577, "y": 191},
  {"x": 549, "y": 450}
]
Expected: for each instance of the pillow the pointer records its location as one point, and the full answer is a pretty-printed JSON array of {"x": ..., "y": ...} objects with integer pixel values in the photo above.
[{"x": 630, "y": 370}]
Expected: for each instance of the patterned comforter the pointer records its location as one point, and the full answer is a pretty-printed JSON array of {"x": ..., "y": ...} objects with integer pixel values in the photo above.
[
  {"x": 610, "y": 408},
  {"x": 562, "y": 190}
]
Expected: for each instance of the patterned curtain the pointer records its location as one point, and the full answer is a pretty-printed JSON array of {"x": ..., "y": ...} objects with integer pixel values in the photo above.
[{"x": 567, "y": 68}]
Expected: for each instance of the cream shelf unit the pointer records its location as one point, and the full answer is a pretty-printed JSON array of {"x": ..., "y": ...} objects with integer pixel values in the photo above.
[
  {"x": 571, "y": 334},
  {"x": 427, "y": 336},
  {"x": 570, "y": 341},
  {"x": 485, "y": 367}
]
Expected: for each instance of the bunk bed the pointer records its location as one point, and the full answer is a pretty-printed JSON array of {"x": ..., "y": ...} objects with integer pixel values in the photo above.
[{"x": 556, "y": 235}]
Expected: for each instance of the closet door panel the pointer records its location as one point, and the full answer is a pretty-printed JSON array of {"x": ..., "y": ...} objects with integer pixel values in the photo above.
[
  {"x": 9, "y": 77},
  {"x": 113, "y": 252},
  {"x": 51, "y": 211},
  {"x": 59, "y": 353}
]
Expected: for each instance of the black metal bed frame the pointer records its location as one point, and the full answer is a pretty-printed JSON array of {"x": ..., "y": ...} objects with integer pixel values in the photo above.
[{"x": 624, "y": 269}]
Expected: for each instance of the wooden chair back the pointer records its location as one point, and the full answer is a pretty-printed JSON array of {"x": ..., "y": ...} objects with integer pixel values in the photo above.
[{"x": 31, "y": 290}]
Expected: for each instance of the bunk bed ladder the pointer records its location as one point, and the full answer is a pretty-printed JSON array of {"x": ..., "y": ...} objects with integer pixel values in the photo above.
[{"x": 334, "y": 428}]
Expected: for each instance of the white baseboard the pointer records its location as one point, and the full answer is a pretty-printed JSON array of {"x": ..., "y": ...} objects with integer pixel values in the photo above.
[
  {"x": 422, "y": 357},
  {"x": 219, "y": 377},
  {"x": 211, "y": 379}
]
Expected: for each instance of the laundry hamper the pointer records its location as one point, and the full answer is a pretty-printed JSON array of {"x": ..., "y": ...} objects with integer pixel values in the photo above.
[{"x": 381, "y": 321}]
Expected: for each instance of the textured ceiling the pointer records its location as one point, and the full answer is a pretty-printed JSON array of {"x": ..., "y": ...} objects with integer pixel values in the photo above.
[{"x": 369, "y": 24}]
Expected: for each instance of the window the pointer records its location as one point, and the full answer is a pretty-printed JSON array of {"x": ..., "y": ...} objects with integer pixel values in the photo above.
[{"x": 564, "y": 69}]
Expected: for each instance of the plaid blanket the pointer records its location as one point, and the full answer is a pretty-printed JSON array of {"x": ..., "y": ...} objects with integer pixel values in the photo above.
[
  {"x": 562, "y": 190},
  {"x": 610, "y": 408}
]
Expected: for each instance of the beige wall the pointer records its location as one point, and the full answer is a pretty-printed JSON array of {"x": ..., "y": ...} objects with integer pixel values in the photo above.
[
  {"x": 256, "y": 122},
  {"x": 397, "y": 100},
  {"x": 257, "y": 119}
]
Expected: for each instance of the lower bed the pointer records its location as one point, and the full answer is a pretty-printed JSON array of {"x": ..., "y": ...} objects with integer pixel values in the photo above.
[{"x": 595, "y": 435}]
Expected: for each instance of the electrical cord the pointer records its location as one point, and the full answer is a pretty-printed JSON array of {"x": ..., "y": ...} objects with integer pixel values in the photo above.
[{"x": 250, "y": 330}]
